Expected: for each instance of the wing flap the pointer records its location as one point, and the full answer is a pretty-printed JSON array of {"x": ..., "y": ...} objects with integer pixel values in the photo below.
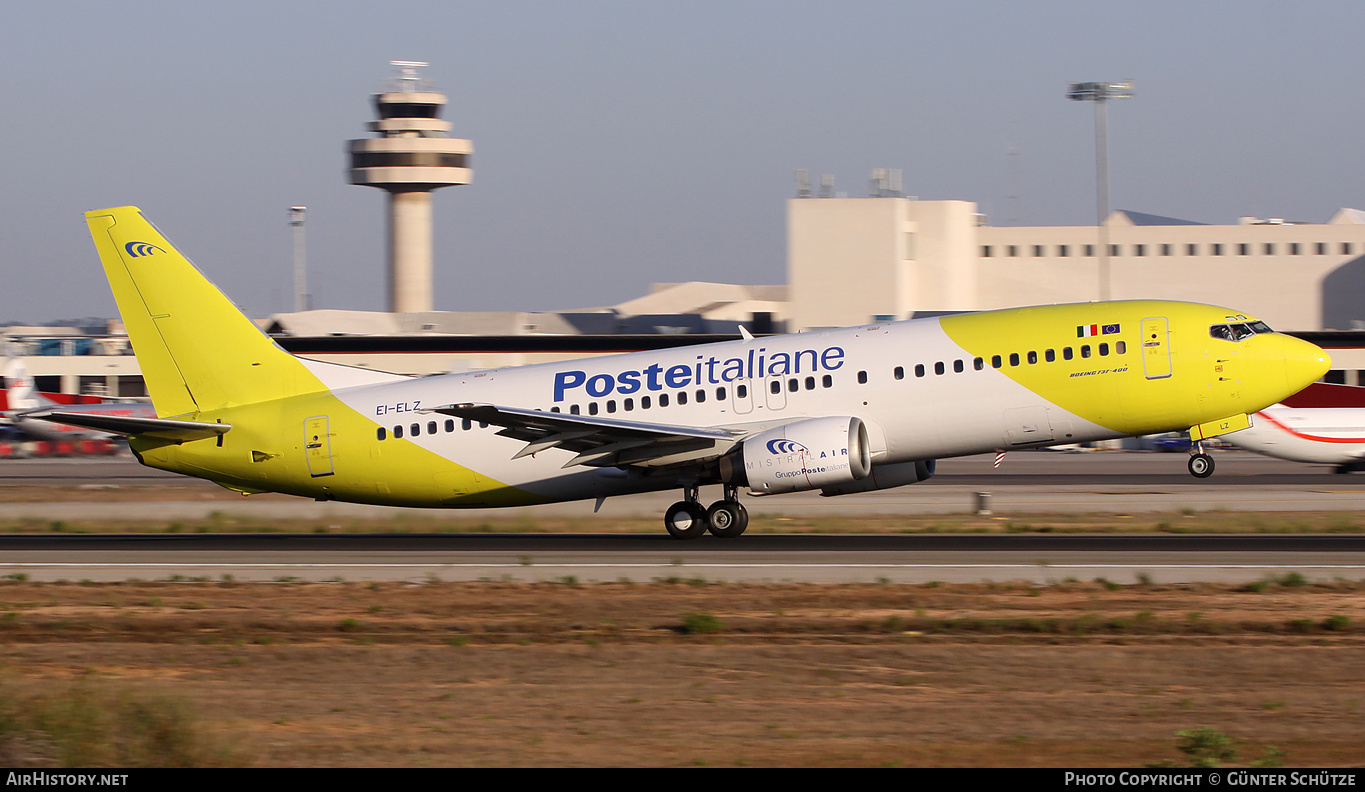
[
  {"x": 160, "y": 428},
  {"x": 599, "y": 442}
]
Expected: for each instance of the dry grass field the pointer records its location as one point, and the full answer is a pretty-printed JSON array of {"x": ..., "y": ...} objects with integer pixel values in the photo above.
[{"x": 676, "y": 673}]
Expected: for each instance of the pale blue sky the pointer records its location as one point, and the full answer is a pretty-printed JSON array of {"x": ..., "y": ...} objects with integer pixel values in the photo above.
[{"x": 623, "y": 143}]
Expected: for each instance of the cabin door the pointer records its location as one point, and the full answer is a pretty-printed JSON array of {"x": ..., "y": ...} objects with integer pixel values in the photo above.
[{"x": 1156, "y": 347}]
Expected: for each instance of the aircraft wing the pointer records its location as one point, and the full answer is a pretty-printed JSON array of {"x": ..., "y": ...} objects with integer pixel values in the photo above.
[
  {"x": 160, "y": 428},
  {"x": 600, "y": 442}
]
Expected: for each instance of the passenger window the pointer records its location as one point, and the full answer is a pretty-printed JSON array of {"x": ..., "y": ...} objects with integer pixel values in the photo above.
[
  {"x": 628, "y": 404},
  {"x": 919, "y": 369},
  {"x": 1050, "y": 355},
  {"x": 862, "y": 378},
  {"x": 979, "y": 364},
  {"x": 827, "y": 381},
  {"x": 467, "y": 424},
  {"x": 776, "y": 387},
  {"x": 431, "y": 427},
  {"x": 415, "y": 429},
  {"x": 382, "y": 433},
  {"x": 573, "y": 410},
  {"x": 1014, "y": 358},
  {"x": 938, "y": 367},
  {"x": 701, "y": 396},
  {"x": 810, "y": 383},
  {"x": 1085, "y": 350},
  {"x": 996, "y": 362},
  {"x": 450, "y": 422},
  {"x": 957, "y": 366},
  {"x": 644, "y": 402},
  {"x": 682, "y": 397},
  {"x": 663, "y": 399},
  {"x": 898, "y": 372},
  {"x": 1120, "y": 347},
  {"x": 1032, "y": 357},
  {"x": 398, "y": 432},
  {"x": 792, "y": 385},
  {"x": 720, "y": 394},
  {"x": 1066, "y": 353},
  {"x": 742, "y": 391},
  {"x": 592, "y": 408},
  {"x": 1104, "y": 350}
]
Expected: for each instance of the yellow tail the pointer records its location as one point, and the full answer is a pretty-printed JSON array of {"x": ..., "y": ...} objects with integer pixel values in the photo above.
[{"x": 197, "y": 351}]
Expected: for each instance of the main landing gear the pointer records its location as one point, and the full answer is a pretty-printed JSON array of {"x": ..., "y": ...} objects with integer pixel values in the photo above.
[
  {"x": 726, "y": 519},
  {"x": 1201, "y": 464}
]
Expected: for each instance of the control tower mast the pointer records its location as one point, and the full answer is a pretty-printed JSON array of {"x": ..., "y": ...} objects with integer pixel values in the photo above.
[{"x": 410, "y": 157}]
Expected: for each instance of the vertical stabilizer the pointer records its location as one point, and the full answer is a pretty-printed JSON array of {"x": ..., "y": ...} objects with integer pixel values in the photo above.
[
  {"x": 196, "y": 350},
  {"x": 20, "y": 392}
]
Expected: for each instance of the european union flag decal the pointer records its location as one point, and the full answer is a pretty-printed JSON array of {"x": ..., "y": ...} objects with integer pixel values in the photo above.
[{"x": 1111, "y": 329}]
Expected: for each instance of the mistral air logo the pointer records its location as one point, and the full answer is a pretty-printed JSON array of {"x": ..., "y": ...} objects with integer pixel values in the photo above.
[
  {"x": 138, "y": 249},
  {"x": 780, "y": 446}
]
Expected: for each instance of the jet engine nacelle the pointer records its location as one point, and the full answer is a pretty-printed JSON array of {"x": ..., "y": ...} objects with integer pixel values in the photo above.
[
  {"x": 885, "y": 477},
  {"x": 802, "y": 455}
]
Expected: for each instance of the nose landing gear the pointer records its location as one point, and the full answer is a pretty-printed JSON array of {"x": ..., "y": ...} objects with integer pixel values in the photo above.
[
  {"x": 1201, "y": 464},
  {"x": 726, "y": 519}
]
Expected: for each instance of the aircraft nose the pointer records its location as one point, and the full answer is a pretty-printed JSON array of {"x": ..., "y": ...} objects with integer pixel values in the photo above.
[{"x": 1304, "y": 363}]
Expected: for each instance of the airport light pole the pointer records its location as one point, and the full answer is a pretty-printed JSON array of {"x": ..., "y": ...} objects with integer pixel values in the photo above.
[
  {"x": 296, "y": 214},
  {"x": 1100, "y": 93}
]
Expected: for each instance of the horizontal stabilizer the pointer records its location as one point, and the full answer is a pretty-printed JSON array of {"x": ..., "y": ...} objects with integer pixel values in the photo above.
[{"x": 159, "y": 428}]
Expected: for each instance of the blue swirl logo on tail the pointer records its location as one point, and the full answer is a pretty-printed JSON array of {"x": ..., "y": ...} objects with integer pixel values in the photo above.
[
  {"x": 138, "y": 249},
  {"x": 780, "y": 446}
]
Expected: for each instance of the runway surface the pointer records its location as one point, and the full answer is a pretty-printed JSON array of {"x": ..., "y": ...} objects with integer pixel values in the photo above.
[
  {"x": 1026, "y": 482},
  {"x": 1111, "y": 482},
  {"x": 644, "y": 558}
]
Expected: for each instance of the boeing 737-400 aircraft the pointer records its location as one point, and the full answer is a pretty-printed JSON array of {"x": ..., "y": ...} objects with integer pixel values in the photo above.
[{"x": 839, "y": 411}]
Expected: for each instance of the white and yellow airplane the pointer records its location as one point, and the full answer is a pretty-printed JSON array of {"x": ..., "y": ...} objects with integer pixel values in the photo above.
[{"x": 839, "y": 411}]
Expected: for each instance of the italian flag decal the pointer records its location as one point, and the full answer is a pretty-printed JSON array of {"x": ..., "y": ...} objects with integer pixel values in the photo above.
[{"x": 1086, "y": 331}]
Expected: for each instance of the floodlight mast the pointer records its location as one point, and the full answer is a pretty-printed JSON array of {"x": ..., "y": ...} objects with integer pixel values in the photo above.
[
  {"x": 1100, "y": 93},
  {"x": 296, "y": 217}
]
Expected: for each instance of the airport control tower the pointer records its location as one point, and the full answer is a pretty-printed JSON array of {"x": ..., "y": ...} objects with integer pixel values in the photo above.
[{"x": 410, "y": 157}]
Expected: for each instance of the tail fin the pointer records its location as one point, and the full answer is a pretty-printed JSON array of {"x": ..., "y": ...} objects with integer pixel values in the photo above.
[
  {"x": 196, "y": 350},
  {"x": 20, "y": 392}
]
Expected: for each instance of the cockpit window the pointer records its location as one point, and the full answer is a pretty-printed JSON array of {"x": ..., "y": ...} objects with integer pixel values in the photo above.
[{"x": 1237, "y": 332}]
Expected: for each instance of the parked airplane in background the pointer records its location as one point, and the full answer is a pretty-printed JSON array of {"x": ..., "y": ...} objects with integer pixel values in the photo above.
[
  {"x": 839, "y": 411},
  {"x": 1324, "y": 423},
  {"x": 25, "y": 405}
]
